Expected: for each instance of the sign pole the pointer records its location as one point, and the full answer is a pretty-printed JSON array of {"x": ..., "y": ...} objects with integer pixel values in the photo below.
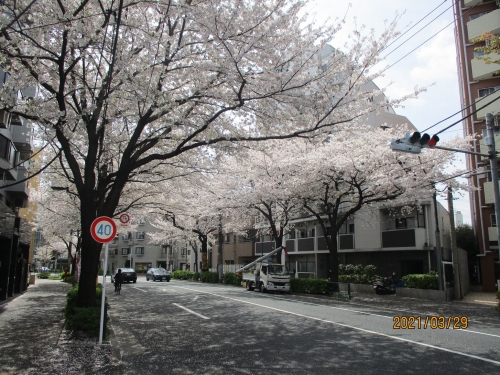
[
  {"x": 103, "y": 299},
  {"x": 103, "y": 230}
]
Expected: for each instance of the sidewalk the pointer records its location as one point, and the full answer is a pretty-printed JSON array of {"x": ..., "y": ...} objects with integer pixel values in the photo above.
[
  {"x": 481, "y": 298},
  {"x": 30, "y": 330}
]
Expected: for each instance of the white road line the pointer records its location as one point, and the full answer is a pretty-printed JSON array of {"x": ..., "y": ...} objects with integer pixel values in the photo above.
[
  {"x": 139, "y": 289},
  {"x": 191, "y": 311},
  {"x": 352, "y": 327}
]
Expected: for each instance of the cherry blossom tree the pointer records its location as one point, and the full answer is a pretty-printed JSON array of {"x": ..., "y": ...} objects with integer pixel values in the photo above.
[
  {"x": 350, "y": 170},
  {"x": 124, "y": 87}
]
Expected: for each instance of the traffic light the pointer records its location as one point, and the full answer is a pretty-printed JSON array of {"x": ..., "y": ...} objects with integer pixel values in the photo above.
[{"x": 414, "y": 142}]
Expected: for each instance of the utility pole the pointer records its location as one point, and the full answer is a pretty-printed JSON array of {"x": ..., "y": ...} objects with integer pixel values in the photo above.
[
  {"x": 490, "y": 142},
  {"x": 439, "y": 253},
  {"x": 219, "y": 252},
  {"x": 454, "y": 249}
]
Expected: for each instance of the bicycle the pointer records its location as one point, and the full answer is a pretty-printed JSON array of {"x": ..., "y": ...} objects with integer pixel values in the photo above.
[{"x": 118, "y": 288}]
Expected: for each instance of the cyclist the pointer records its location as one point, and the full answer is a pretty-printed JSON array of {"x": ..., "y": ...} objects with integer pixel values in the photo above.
[{"x": 118, "y": 280}]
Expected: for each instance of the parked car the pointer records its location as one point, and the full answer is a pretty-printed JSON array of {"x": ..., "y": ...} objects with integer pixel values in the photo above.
[
  {"x": 44, "y": 269},
  {"x": 128, "y": 274},
  {"x": 157, "y": 274}
]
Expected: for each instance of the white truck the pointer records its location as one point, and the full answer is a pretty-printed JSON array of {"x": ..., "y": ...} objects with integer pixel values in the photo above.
[{"x": 266, "y": 276}]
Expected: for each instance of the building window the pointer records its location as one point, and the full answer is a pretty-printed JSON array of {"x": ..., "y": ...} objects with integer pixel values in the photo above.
[
  {"x": 401, "y": 223},
  {"x": 142, "y": 222},
  {"x": 5, "y": 148},
  {"x": 189, "y": 252},
  {"x": 478, "y": 53},
  {"x": 127, "y": 236},
  {"x": 291, "y": 234},
  {"x": 493, "y": 220},
  {"x": 113, "y": 251},
  {"x": 183, "y": 251},
  {"x": 488, "y": 90},
  {"x": 140, "y": 235},
  {"x": 139, "y": 250},
  {"x": 125, "y": 251},
  {"x": 477, "y": 15},
  {"x": 421, "y": 220}
]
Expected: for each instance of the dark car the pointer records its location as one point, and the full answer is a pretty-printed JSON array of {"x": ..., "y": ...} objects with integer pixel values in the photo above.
[
  {"x": 157, "y": 274},
  {"x": 128, "y": 274}
]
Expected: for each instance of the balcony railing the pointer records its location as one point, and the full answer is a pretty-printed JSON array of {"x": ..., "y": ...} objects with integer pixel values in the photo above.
[
  {"x": 487, "y": 23},
  {"x": 399, "y": 238},
  {"x": 481, "y": 70}
]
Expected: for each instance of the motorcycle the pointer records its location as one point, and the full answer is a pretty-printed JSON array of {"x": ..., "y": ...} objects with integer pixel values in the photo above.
[{"x": 386, "y": 285}]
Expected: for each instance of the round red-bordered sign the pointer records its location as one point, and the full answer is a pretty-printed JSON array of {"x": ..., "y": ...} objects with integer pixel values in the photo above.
[
  {"x": 103, "y": 229},
  {"x": 124, "y": 218}
]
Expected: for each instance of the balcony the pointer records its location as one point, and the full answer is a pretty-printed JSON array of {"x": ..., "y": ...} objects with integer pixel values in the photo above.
[
  {"x": 488, "y": 193},
  {"x": 489, "y": 22},
  {"x": 481, "y": 70},
  {"x": 20, "y": 189},
  {"x": 21, "y": 137},
  {"x": 492, "y": 108},
  {"x": 401, "y": 238},
  {"x": 493, "y": 237},
  {"x": 471, "y": 3}
]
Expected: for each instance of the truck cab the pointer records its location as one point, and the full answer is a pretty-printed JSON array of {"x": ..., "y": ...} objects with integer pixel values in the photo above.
[{"x": 268, "y": 277}]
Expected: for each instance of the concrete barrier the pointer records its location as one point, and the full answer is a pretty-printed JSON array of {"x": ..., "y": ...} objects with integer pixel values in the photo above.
[{"x": 430, "y": 294}]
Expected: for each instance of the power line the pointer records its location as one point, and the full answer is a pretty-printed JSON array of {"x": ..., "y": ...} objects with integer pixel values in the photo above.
[
  {"x": 461, "y": 110},
  {"x": 435, "y": 18},
  {"x": 469, "y": 115},
  {"x": 421, "y": 44}
]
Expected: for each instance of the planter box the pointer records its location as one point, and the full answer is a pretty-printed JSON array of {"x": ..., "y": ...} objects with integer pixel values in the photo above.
[
  {"x": 32, "y": 279},
  {"x": 430, "y": 294},
  {"x": 357, "y": 288}
]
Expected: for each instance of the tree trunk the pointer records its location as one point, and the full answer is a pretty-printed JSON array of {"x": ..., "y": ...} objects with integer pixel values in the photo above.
[
  {"x": 204, "y": 259},
  {"x": 334, "y": 260},
  {"x": 90, "y": 254}
]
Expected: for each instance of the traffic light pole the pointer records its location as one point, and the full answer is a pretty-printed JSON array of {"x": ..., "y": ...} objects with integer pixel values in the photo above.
[{"x": 490, "y": 142}]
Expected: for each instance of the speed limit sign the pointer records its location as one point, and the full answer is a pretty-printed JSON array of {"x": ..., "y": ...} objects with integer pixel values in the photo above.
[
  {"x": 124, "y": 218},
  {"x": 103, "y": 229}
]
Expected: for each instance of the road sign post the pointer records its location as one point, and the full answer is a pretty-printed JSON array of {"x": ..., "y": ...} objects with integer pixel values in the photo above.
[{"x": 103, "y": 230}]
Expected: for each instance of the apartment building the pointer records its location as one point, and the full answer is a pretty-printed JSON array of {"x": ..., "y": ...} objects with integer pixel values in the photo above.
[
  {"x": 479, "y": 85},
  {"x": 132, "y": 247},
  {"x": 16, "y": 147}
]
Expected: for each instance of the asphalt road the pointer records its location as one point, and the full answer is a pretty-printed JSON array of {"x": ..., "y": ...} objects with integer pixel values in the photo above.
[{"x": 193, "y": 328}]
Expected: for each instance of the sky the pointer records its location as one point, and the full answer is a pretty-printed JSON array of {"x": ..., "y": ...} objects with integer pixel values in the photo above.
[{"x": 432, "y": 65}]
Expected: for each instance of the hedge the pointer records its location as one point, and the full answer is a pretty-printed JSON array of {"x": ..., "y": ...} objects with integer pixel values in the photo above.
[
  {"x": 232, "y": 278},
  {"x": 206, "y": 277},
  {"x": 309, "y": 285},
  {"x": 421, "y": 281}
]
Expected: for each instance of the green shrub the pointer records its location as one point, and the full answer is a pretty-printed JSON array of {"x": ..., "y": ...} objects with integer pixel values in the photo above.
[
  {"x": 179, "y": 275},
  {"x": 421, "y": 281},
  {"x": 85, "y": 319},
  {"x": 310, "y": 285},
  {"x": 43, "y": 275},
  {"x": 54, "y": 276},
  {"x": 357, "y": 274},
  {"x": 100, "y": 272},
  {"x": 232, "y": 279},
  {"x": 196, "y": 276},
  {"x": 209, "y": 277}
]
